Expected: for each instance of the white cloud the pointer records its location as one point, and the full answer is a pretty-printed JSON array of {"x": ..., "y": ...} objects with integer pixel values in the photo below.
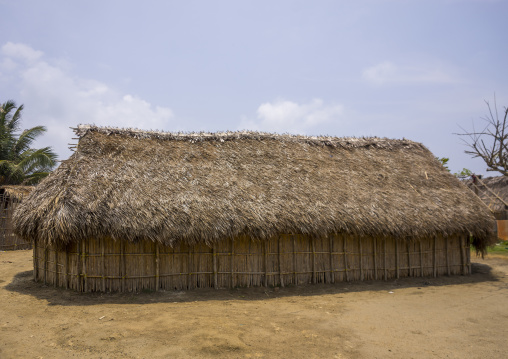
[
  {"x": 21, "y": 51},
  {"x": 288, "y": 116},
  {"x": 388, "y": 72},
  {"x": 53, "y": 97},
  {"x": 7, "y": 65}
]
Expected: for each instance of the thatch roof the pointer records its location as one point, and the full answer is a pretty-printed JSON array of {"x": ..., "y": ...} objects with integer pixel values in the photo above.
[
  {"x": 493, "y": 191},
  {"x": 17, "y": 192},
  {"x": 204, "y": 187}
]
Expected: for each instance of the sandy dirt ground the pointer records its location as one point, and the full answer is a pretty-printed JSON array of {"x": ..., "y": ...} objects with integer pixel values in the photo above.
[{"x": 448, "y": 317}]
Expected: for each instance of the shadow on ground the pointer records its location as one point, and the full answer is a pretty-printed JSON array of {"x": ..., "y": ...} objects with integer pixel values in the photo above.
[{"x": 23, "y": 283}]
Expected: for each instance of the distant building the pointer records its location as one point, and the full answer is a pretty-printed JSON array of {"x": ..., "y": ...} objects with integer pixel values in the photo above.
[
  {"x": 10, "y": 197},
  {"x": 494, "y": 193}
]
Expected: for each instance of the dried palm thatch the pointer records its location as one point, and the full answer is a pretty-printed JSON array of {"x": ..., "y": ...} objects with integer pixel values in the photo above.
[
  {"x": 178, "y": 188},
  {"x": 17, "y": 192}
]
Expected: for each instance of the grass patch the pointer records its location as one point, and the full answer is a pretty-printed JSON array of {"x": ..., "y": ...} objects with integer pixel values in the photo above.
[{"x": 499, "y": 248}]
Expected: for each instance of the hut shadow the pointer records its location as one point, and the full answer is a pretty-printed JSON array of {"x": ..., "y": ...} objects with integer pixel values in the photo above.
[{"x": 23, "y": 283}]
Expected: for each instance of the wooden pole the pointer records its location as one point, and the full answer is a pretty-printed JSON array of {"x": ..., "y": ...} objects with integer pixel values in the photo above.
[
  {"x": 214, "y": 254},
  {"x": 122, "y": 263},
  {"x": 491, "y": 191},
  {"x": 83, "y": 253},
  {"x": 332, "y": 272},
  {"x": 265, "y": 254},
  {"x": 447, "y": 258},
  {"x": 435, "y": 257},
  {"x": 468, "y": 251},
  {"x": 421, "y": 258},
  {"x": 397, "y": 264},
  {"x": 361, "y": 257},
  {"x": 66, "y": 268},
  {"x": 462, "y": 259},
  {"x": 103, "y": 266},
  {"x": 158, "y": 266},
  {"x": 384, "y": 260},
  {"x": 56, "y": 269},
  {"x": 248, "y": 278},
  {"x": 374, "y": 241},
  {"x": 190, "y": 265},
  {"x": 408, "y": 259},
  {"x": 344, "y": 238},
  {"x": 35, "y": 260},
  {"x": 281, "y": 277},
  {"x": 314, "y": 274},
  {"x": 46, "y": 265},
  {"x": 79, "y": 285},
  {"x": 232, "y": 263},
  {"x": 295, "y": 261}
]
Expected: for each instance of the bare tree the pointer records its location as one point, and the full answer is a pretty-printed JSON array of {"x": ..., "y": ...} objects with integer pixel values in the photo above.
[{"x": 491, "y": 143}]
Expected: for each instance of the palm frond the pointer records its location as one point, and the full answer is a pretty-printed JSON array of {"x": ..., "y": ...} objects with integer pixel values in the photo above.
[
  {"x": 36, "y": 160},
  {"x": 27, "y": 137},
  {"x": 5, "y": 111},
  {"x": 15, "y": 121},
  {"x": 19, "y": 163},
  {"x": 34, "y": 178},
  {"x": 11, "y": 172}
]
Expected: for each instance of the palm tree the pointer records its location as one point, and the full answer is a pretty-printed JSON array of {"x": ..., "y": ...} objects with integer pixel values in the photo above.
[{"x": 19, "y": 163}]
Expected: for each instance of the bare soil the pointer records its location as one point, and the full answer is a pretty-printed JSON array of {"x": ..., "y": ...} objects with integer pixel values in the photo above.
[{"x": 446, "y": 317}]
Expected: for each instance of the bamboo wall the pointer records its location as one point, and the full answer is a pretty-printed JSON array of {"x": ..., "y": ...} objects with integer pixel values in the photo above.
[
  {"x": 8, "y": 240},
  {"x": 106, "y": 265}
]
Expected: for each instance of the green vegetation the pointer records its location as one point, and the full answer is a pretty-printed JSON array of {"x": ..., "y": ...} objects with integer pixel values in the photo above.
[
  {"x": 465, "y": 173},
  {"x": 499, "y": 248},
  {"x": 444, "y": 162},
  {"x": 19, "y": 163}
]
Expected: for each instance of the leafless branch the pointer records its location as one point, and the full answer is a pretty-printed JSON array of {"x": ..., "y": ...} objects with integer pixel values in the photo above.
[{"x": 491, "y": 143}]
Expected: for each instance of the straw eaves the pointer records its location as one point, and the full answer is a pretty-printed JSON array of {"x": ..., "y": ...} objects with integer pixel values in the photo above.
[
  {"x": 17, "y": 191},
  {"x": 136, "y": 185}
]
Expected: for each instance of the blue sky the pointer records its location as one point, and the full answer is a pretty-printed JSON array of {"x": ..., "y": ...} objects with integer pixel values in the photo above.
[{"x": 388, "y": 68}]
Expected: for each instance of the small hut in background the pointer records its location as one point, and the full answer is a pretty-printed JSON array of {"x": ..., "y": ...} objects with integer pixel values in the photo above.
[
  {"x": 10, "y": 197},
  {"x": 493, "y": 191},
  {"x": 136, "y": 210}
]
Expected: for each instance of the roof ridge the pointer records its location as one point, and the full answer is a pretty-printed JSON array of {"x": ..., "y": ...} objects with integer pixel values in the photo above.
[{"x": 222, "y": 136}]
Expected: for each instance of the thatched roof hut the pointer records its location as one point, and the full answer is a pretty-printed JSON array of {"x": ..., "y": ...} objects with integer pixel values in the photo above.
[
  {"x": 203, "y": 189},
  {"x": 10, "y": 197},
  {"x": 493, "y": 191}
]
